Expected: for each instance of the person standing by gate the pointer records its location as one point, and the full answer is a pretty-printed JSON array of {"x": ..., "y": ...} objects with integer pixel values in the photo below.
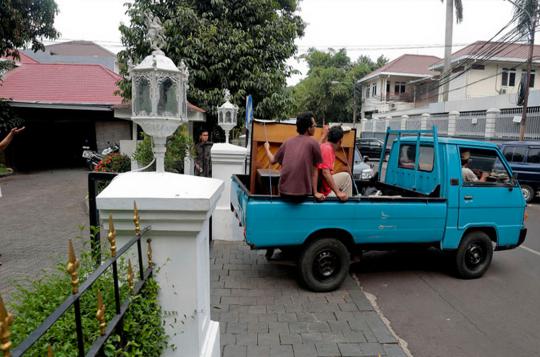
[{"x": 203, "y": 160}]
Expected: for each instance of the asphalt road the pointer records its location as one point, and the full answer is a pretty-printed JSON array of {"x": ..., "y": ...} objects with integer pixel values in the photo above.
[{"x": 440, "y": 315}]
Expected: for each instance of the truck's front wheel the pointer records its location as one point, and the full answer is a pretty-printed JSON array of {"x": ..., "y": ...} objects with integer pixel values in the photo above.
[
  {"x": 324, "y": 264},
  {"x": 474, "y": 255}
]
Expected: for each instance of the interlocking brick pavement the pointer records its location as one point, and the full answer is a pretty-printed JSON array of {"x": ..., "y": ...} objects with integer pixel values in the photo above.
[
  {"x": 264, "y": 312},
  {"x": 39, "y": 212}
]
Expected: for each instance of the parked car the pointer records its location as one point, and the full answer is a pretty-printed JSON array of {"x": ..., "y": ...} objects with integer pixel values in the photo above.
[
  {"x": 361, "y": 170},
  {"x": 524, "y": 158},
  {"x": 372, "y": 147}
]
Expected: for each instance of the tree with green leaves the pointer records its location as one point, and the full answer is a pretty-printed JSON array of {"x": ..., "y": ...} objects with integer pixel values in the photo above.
[
  {"x": 239, "y": 45},
  {"x": 26, "y": 22},
  {"x": 329, "y": 88},
  {"x": 23, "y": 22}
]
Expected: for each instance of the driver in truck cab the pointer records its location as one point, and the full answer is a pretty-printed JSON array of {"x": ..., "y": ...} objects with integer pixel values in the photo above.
[
  {"x": 468, "y": 174},
  {"x": 298, "y": 157}
]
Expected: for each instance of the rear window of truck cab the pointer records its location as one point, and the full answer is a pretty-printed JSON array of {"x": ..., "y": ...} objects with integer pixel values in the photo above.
[{"x": 407, "y": 157}]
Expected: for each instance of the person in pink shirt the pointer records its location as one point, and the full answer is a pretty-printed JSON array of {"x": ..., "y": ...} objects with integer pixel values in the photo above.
[{"x": 333, "y": 184}]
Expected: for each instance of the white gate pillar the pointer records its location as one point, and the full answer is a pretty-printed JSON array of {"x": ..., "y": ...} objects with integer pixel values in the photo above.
[
  {"x": 178, "y": 208},
  {"x": 227, "y": 160},
  {"x": 424, "y": 120},
  {"x": 404, "y": 121},
  {"x": 491, "y": 118},
  {"x": 452, "y": 120}
]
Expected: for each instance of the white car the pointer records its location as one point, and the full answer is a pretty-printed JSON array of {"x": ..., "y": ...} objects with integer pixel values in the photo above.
[{"x": 361, "y": 170}]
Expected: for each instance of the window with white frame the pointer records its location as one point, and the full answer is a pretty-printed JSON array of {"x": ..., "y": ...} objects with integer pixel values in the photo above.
[
  {"x": 374, "y": 89},
  {"x": 399, "y": 87},
  {"x": 508, "y": 78},
  {"x": 524, "y": 74},
  {"x": 367, "y": 92}
]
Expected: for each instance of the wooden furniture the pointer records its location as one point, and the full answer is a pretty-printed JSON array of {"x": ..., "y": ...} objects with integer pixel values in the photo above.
[{"x": 276, "y": 134}]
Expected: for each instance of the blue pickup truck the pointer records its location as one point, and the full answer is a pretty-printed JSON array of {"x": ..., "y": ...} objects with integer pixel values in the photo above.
[{"x": 422, "y": 199}]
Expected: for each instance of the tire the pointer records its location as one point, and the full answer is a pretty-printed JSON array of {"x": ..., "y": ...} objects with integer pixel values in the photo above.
[
  {"x": 474, "y": 255},
  {"x": 528, "y": 193},
  {"x": 324, "y": 264}
]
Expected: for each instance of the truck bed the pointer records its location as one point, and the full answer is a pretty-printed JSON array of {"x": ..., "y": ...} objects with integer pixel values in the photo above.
[{"x": 395, "y": 217}]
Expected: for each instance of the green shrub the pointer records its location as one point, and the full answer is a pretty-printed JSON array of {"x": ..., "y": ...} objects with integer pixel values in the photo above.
[
  {"x": 114, "y": 162},
  {"x": 177, "y": 145},
  {"x": 142, "y": 324}
]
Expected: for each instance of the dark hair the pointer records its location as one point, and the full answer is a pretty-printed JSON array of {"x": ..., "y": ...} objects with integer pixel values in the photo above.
[
  {"x": 335, "y": 134},
  {"x": 303, "y": 122}
]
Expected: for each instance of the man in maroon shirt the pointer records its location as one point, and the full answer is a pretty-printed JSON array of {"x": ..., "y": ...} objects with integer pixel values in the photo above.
[{"x": 298, "y": 157}]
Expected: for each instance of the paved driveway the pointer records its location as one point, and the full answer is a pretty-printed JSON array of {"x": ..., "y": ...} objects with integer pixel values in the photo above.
[{"x": 39, "y": 212}]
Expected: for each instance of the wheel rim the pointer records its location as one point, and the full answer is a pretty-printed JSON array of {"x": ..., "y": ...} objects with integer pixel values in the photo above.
[
  {"x": 326, "y": 265},
  {"x": 474, "y": 255},
  {"x": 526, "y": 194}
]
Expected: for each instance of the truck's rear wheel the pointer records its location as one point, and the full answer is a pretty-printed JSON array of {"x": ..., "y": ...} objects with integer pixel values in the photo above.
[
  {"x": 324, "y": 264},
  {"x": 474, "y": 255}
]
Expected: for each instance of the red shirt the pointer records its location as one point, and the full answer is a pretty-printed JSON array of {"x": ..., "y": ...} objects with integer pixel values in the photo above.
[
  {"x": 328, "y": 159},
  {"x": 297, "y": 157}
]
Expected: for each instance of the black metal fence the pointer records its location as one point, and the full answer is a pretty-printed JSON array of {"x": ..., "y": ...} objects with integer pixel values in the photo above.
[
  {"x": 96, "y": 181},
  {"x": 115, "y": 325}
]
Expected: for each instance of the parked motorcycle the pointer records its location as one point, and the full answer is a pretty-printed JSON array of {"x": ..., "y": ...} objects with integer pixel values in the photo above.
[{"x": 93, "y": 157}]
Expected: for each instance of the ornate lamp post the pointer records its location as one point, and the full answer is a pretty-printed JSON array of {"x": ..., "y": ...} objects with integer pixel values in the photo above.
[
  {"x": 159, "y": 91},
  {"x": 227, "y": 115}
]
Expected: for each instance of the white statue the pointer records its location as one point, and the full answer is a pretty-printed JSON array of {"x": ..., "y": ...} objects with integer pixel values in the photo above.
[
  {"x": 227, "y": 95},
  {"x": 155, "y": 32}
]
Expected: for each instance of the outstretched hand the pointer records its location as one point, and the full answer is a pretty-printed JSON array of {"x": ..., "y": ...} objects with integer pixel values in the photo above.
[
  {"x": 319, "y": 196},
  {"x": 267, "y": 145},
  {"x": 17, "y": 130}
]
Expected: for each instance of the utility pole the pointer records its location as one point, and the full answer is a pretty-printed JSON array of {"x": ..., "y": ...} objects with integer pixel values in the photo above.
[
  {"x": 354, "y": 105},
  {"x": 447, "y": 48},
  {"x": 532, "y": 30}
]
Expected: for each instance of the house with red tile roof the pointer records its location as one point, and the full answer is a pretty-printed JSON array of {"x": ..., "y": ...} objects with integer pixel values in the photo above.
[
  {"x": 484, "y": 69},
  {"x": 401, "y": 84}
]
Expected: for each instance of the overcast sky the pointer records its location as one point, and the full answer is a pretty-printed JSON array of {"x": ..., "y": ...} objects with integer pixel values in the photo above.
[{"x": 371, "y": 27}]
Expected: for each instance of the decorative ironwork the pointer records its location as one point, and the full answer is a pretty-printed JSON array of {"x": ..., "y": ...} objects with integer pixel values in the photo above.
[
  {"x": 6, "y": 319},
  {"x": 72, "y": 267},
  {"x": 136, "y": 219},
  {"x": 112, "y": 236},
  {"x": 72, "y": 303},
  {"x": 100, "y": 314},
  {"x": 149, "y": 252},
  {"x": 130, "y": 276}
]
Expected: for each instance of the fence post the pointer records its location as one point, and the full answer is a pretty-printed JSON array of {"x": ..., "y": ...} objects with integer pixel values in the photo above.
[
  {"x": 363, "y": 126},
  {"x": 178, "y": 207},
  {"x": 491, "y": 117},
  {"x": 423, "y": 121},
  {"x": 452, "y": 119},
  {"x": 227, "y": 160},
  {"x": 404, "y": 121}
]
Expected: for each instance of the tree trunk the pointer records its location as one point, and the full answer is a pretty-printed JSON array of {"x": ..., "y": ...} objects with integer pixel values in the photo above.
[{"x": 447, "y": 47}]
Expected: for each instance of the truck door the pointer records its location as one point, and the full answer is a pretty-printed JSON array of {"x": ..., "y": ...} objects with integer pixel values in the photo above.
[{"x": 487, "y": 196}]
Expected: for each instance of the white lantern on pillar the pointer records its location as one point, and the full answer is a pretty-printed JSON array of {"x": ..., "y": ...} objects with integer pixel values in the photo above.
[
  {"x": 159, "y": 94},
  {"x": 227, "y": 115}
]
